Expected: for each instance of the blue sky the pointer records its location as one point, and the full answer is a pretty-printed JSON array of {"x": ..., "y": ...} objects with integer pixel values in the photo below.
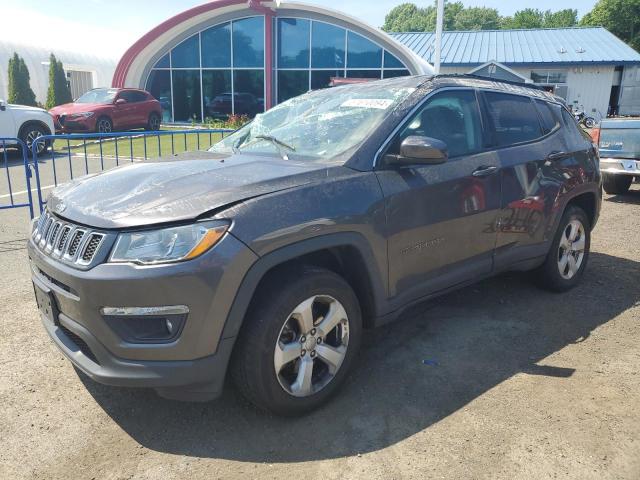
[{"x": 108, "y": 27}]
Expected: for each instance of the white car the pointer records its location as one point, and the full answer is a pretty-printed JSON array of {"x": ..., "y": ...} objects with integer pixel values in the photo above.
[{"x": 25, "y": 123}]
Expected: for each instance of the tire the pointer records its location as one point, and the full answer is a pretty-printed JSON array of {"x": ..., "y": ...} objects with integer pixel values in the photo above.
[
  {"x": 30, "y": 132},
  {"x": 273, "y": 324},
  {"x": 616, "y": 184},
  {"x": 589, "y": 122},
  {"x": 559, "y": 272},
  {"x": 104, "y": 125},
  {"x": 153, "y": 125}
]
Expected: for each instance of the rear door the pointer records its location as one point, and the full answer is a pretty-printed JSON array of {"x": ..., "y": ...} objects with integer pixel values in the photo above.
[
  {"x": 441, "y": 218},
  {"x": 125, "y": 114}
]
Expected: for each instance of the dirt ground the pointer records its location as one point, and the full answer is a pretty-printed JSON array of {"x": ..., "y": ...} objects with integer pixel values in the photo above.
[{"x": 497, "y": 381}]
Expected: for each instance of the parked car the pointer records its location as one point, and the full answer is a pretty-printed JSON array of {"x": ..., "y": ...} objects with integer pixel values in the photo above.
[
  {"x": 619, "y": 144},
  {"x": 25, "y": 123},
  {"x": 107, "y": 110},
  {"x": 332, "y": 212}
]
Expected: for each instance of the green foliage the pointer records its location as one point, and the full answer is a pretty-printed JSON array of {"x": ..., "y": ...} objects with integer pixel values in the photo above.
[
  {"x": 562, "y": 18},
  {"x": 20, "y": 91},
  {"x": 477, "y": 18},
  {"x": 620, "y": 17},
  {"x": 58, "y": 92}
]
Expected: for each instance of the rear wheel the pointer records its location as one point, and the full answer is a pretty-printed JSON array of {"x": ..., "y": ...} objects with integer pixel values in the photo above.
[
  {"x": 298, "y": 342},
  {"x": 104, "y": 125},
  {"x": 616, "y": 184},
  {"x": 154, "y": 122},
  {"x": 567, "y": 258}
]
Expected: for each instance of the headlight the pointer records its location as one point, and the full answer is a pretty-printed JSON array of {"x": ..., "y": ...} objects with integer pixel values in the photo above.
[
  {"x": 83, "y": 115},
  {"x": 168, "y": 244}
]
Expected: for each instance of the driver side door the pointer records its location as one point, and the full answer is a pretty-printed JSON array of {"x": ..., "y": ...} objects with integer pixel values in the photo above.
[{"x": 441, "y": 219}]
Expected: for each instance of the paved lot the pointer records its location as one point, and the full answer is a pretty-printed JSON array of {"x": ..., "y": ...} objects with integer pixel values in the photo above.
[{"x": 519, "y": 383}]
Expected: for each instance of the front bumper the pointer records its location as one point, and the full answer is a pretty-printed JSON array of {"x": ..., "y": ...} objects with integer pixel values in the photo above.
[
  {"x": 193, "y": 365},
  {"x": 74, "y": 125},
  {"x": 620, "y": 166}
]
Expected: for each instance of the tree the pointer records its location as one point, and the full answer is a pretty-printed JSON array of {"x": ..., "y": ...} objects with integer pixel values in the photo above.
[
  {"x": 477, "y": 18},
  {"x": 562, "y": 18},
  {"x": 20, "y": 82},
  {"x": 527, "y": 18},
  {"x": 58, "y": 92},
  {"x": 620, "y": 17}
]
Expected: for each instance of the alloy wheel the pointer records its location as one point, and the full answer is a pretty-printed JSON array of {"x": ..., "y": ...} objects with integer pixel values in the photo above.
[
  {"x": 311, "y": 346},
  {"x": 571, "y": 249},
  {"x": 104, "y": 126},
  {"x": 32, "y": 136}
]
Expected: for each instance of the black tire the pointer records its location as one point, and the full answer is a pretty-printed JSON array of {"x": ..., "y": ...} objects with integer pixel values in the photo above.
[
  {"x": 549, "y": 275},
  {"x": 31, "y": 131},
  {"x": 253, "y": 364},
  {"x": 153, "y": 125},
  {"x": 589, "y": 122},
  {"x": 616, "y": 184},
  {"x": 104, "y": 125}
]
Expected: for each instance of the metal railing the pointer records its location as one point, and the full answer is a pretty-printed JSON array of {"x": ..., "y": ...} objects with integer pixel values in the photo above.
[
  {"x": 11, "y": 194},
  {"x": 69, "y": 155}
]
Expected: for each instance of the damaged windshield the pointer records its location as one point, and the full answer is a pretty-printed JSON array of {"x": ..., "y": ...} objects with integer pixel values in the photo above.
[{"x": 321, "y": 124}]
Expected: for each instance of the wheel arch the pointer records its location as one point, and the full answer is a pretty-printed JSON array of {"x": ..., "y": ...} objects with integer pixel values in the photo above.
[
  {"x": 39, "y": 123},
  {"x": 587, "y": 201}
]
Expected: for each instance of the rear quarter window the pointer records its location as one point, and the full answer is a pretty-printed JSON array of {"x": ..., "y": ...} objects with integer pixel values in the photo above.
[
  {"x": 548, "y": 117},
  {"x": 514, "y": 118}
]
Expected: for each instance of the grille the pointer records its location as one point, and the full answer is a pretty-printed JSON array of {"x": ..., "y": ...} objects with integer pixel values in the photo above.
[
  {"x": 66, "y": 241},
  {"x": 80, "y": 343}
]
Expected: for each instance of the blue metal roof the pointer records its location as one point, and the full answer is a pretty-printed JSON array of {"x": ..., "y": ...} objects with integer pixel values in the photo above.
[{"x": 532, "y": 46}]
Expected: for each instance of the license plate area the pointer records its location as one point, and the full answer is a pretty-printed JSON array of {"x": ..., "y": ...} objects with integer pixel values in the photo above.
[{"x": 46, "y": 303}]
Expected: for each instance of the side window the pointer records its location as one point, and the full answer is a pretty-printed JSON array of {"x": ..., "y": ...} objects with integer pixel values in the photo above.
[
  {"x": 452, "y": 117},
  {"x": 133, "y": 97},
  {"x": 576, "y": 133},
  {"x": 547, "y": 116},
  {"x": 514, "y": 118}
]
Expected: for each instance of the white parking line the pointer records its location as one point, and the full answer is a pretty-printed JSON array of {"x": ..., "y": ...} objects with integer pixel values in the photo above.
[{"x": 23, "y": 192}]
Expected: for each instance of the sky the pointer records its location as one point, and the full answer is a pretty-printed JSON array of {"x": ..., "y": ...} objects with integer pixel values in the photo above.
[{"x": 109, "y": 27}]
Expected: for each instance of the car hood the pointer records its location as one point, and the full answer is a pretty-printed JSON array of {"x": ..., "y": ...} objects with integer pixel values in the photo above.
[
  {"x": 158, "y": 192},
  {"x": 26, "y": 108},
  {"x": 69, "y": 108}
]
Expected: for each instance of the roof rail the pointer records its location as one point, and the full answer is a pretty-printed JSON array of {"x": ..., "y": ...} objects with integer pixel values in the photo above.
[{"x": 490, "y": 79}]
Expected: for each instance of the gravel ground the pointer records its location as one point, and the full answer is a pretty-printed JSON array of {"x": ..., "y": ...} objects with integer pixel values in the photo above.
[{"x": 517, "y": 383}]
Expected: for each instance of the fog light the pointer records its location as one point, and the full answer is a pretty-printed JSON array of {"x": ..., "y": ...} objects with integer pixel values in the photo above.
[{"x": 146, "y": 324}]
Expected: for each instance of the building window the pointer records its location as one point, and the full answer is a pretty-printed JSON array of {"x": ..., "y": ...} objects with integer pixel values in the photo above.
[
  {"x": 187, "y": 101},
  {"x": 327, "y": 47},
  {"x": 216, "y": 46},
  {"x": 248, "y": 86},
  {"x": 187, "y": 54},
  {"x": 293, "y": 43},
  {"x": 549, "y": 76},
  {"x": 216, "y": 93},
  {"x": 248, "y": 42},
  {"x": 159, "y": 85}
]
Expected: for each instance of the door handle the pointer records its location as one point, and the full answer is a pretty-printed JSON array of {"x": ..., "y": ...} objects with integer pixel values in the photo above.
[
  {"x": 484, "y": 171},
  {"x": 556, "y": 155}
]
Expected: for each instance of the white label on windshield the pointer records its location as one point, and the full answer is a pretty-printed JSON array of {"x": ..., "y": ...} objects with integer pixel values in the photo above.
[{"x": 379, "y": 103}]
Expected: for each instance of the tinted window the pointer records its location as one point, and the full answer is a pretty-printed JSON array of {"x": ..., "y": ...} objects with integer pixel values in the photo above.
[
  {"x": 159, "y": 85},
  {"x": 248, "y": 87},
  {"x": 216, "y": 93},
  {"x": 163, "y": 62},
  {"x": 548, "y": 117},
  {"x": 514, "y": 118},
  {"x": 216, "y": 46},
  {"x": 133, "y": 97},
  {"x": 327, "y": 46},
  {"x": 392, "y": 62},
  {"x": 292, "y": 83},
  {"x": 452, "y": 117},
  {"x": 573, "y": 129},
  {"x": 293, "y": 43},
  {"x": 248, "y": 42},
  {"x": 186, "y": 95},
  {"x": 363, "y": 53},
  {"x": 187, "y": 54}
]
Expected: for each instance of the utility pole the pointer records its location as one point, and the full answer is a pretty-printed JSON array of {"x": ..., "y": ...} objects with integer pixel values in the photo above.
[{"x": 438, "y": 43}]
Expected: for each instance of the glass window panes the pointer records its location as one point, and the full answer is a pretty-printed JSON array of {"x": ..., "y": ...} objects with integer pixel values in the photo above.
[
  {"x": 549, "y": 76},
  {"x": 452, "y": 117},
  {"x": 159, "y": 85},
  {"x": 216, "y": 46},
  {"x": 216, "y": 93},
  {"x": 163, "y": 62},
  {"x": 556, "y": 76},
  {"x": 395, "y": 73},
  {"x": 293, "y": 43},
  {"x": 362, "y": 52},
  {"x": 248, "y": 42},
  {"x": 327, "y": 46},
  {"x": 514, "y": 118},
  {"x": 186, "y": 96},
  {"x": 186, "y": 54},
  {"x": 364, "y": 73},
  {"x": 248, "y": 94},
  {"x": 547, "y": 116},
  {"x": 322, "y": 78},
  {"x": 292, "y": 83},
  {"x": 390, "y": 61}
]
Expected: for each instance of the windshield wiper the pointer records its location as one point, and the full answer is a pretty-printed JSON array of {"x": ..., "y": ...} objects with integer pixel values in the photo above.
[{"x": 278, "y": 143}]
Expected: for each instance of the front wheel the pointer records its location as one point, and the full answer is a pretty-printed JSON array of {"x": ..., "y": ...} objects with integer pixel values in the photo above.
[
  {"x": 298, "y": 342},
  {"x": 30, "y": 134},
  {"x": 567, "y": 258},
  {"x": 104, "y": 125},
  {"x": 616, "y": 184}
]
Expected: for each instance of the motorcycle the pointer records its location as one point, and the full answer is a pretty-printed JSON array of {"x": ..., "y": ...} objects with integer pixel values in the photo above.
[{"x": 583, "y": 119}]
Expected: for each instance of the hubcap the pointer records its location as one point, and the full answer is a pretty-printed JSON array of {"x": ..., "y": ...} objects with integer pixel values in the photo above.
[
  {"x": 311, "y": 346},
  {"x": 571, "y": 249}
]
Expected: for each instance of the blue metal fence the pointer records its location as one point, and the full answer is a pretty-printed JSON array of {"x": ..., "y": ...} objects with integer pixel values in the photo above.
[
  {"x": 72, "y": 154},
  {"x": 23, "y": 158}
]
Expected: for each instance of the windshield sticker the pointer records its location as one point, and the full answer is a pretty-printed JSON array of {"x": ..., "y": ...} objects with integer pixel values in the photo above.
[{"x": 378, "y": 103}]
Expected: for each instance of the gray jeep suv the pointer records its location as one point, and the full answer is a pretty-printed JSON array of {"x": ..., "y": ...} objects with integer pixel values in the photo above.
[{"x": 268, "y": 255}]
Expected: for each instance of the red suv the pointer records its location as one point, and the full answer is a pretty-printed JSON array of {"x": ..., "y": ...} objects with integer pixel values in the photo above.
[{"x": 106, "y": 110}]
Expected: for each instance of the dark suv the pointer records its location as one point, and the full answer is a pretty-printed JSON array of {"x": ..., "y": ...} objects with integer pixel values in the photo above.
[{"x": 330, "y": 213}]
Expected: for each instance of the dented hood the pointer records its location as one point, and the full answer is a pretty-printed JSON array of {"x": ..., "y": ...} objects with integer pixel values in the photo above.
[{"x": 167, "y": 191}]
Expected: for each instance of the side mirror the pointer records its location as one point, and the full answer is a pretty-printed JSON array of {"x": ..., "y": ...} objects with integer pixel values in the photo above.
[
  {"x": 121, "y": 101},
  {"x": 419, "y": 150},
  {"x": 3, "y": 106}
]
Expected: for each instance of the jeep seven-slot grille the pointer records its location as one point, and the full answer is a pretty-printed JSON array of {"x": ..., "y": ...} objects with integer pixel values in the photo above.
[{"x": 66, "y": 241}]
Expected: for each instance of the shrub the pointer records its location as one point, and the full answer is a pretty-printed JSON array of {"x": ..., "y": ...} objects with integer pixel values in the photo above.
[
  {"x": 58, "y": 92},
  {"x": 20, "y": 91}
]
